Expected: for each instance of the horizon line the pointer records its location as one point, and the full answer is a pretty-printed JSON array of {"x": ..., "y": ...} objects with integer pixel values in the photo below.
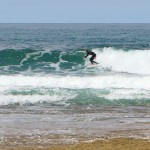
[{"x": 74, "y": 23}]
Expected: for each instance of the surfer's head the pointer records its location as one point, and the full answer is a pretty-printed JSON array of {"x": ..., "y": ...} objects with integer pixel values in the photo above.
[{"x": 86, "y": 50}]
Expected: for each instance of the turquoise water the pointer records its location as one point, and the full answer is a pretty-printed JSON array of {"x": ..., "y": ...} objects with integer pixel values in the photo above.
[
  {"x": 49, "y": 94},
  {"x": 42, "y": 64}
]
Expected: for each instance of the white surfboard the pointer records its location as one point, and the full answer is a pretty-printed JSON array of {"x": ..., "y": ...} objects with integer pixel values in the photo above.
[{"x": 92, "y": 65}]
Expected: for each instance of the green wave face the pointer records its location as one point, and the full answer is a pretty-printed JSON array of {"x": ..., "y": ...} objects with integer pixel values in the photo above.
[{"x": 39, "y": 60}]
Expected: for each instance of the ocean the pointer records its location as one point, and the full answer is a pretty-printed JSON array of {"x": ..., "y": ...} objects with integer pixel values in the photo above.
[{"x": 48, "y": 90}]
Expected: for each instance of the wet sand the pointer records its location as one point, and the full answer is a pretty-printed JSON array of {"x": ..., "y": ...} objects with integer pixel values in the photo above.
[
  {"x": 106, "y": 144},
  {"x": 102, "y": 128}
]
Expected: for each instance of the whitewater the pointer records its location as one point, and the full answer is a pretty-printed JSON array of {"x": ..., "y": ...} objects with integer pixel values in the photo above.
[
  {"x": 121, "y": 75},
  {"x": 50, "y": 94}
]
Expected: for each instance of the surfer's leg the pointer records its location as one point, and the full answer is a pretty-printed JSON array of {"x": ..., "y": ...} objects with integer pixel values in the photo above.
[
  {"x": 91, "y": 60},
  {"x": 95, "y": 62}
]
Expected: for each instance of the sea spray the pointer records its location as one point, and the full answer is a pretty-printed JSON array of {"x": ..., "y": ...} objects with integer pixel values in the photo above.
[{"x": 131, "y": 61}]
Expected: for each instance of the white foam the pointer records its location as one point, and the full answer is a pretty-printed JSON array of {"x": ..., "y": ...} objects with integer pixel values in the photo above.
[
  {"x": 131, "y": 87},
  {"x": 96, "y": 82},
  {"x": 24, "y": 99},
  {"x": 116, "y": 94},
  {"x": 133, "y": 61},
  {"x": 23, "y": 94}
]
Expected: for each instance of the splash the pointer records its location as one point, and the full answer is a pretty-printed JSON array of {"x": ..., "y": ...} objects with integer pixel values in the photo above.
[{"x": 132, "y": 61}]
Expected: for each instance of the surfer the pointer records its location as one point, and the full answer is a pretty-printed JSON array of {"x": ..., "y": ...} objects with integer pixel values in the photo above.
[{"x": 92, "y": 57}]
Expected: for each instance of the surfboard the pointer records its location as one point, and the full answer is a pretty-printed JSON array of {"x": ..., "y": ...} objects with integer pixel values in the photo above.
[{"x": 92, "y": 65}]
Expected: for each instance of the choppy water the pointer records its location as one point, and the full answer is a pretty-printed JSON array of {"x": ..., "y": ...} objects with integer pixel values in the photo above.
[{"x": 42, "y": 65}]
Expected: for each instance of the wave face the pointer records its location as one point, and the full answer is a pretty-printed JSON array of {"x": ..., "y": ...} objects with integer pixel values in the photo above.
[
  {"x": 110, "y": 59},
  {"x": 44, "y": 65},
  {"x": 18, "y": 61}
]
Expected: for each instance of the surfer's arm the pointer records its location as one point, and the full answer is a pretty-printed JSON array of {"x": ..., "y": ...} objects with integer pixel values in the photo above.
[{"x": 86, "y": 55}]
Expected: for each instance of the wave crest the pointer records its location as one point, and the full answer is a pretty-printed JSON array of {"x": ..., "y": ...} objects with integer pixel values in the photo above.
[{"x": 110, "y": 59}]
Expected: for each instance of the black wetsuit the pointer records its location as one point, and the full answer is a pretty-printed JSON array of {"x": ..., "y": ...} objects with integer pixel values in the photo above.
[{"x": 92, "y": 58}]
